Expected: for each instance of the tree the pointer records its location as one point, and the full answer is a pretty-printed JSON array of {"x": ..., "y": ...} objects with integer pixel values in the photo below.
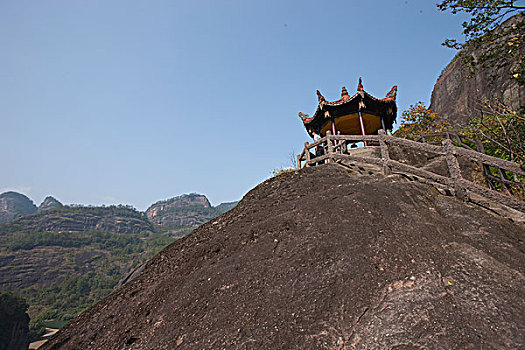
[
  {"x": 418, "y": 120},
  {"x": 501, "y": 130},
  {"x": 497, "y": 45}
]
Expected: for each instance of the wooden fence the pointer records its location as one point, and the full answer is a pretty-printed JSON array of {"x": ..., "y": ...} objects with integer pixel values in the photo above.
[
  {"x": 501, "y": 178},
  {"x": 336, "y": 147}
]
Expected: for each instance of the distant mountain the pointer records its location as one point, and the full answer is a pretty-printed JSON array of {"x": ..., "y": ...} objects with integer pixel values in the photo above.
[
  {"x": 62, "y": 259},
  {"x": 179, "y": 215},
  {"x": 13, "y": 205},
  {"x": 117, "y": 219},
  {"x": 224, "y": 207},
  {"x": 49, "y": 203}
]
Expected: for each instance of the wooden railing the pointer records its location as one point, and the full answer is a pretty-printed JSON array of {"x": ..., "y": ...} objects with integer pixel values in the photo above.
[
  {"x": 501, "y": 179},
  {"x": 336, "y": 147}
]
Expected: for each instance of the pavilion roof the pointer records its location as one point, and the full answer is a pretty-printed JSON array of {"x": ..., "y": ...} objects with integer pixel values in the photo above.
[{"x": 360, "y": 101}]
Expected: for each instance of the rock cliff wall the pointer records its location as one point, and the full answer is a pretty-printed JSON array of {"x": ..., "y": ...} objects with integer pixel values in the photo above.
[
  {"x": 457, "y": 97},
  {"x": 13, "y": 205},
  {"x": 184, "y": 213},
  {"x": 49, "y": 203},
  {"x": 14, "y": 323}
]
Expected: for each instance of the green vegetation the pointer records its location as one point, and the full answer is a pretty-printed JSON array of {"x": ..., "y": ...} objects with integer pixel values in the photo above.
[
  {"x": 66, "y": 300},
  {"x": 501, "y": 130},
  {"x": 112, "y": 210},
  {"x": 111, "y": 255},
  {"x": 78, "y": 218},
  {"x": 277, "y": 172},
  {"x": 191, "y": 210},
  {"x": 12, "y": 314},
  {"x": 419, "y": 120},
  {"x": 12, "y": 307},
  {"x": 70, "y": 257},
  {"x": 118, "y": 245}
]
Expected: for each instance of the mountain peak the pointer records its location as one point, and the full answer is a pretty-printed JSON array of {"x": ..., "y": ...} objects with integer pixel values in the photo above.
[
  {"x": 13, "y": 205},
  {"x": 49, "y": 202},
  {"x": 184, "y": 200},
  {"x": 178, "y": 215}
]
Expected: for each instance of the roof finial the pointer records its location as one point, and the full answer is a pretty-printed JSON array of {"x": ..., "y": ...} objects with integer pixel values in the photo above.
[
  {"x": 319, "y": 96},
  {"x": 392, "y": 93},
  {"x": 303, "y": 116},
  {"x": 360, "y": 85},
  {"x": 344, "y": 93}
]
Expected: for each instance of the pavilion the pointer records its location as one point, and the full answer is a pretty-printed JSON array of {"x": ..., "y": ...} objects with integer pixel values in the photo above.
[{"x": 360, "y": 114}]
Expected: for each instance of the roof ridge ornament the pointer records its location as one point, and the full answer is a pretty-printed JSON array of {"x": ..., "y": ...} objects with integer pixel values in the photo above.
[
  {"x": 392, "y": 93},
  {"x": 320, "y": 97},
  {"x": 303, "y": 116},
  {"x": 344, "y": 93},
  {"x": 360, "y": 85}
]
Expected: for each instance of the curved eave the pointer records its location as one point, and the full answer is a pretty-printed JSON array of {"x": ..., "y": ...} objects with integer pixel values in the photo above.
[{"x": 385, "y": 108}]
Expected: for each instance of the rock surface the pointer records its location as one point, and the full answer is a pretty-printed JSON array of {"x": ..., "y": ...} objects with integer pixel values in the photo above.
[
  {"x": 179, "y": 215},
  {"x": 13, "y": 205},
  {"x": 325, "y": 258},
  {"x": 458, "y": 98},
  {"x": 14, "y": 323},
  {"x": 177, "y": 202},
  {"x": 49, "y": 203}
]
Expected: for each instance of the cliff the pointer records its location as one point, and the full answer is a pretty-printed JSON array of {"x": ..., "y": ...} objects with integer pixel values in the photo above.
[
  {"x": 49, "y": 203},
  {"x": 324, "y": 258},
  {"x": 14, "y": 323},
  {"x": 179, "y": 215},
  {"x": 458, "y": 97},
  {"x": 13, "y": 205}
]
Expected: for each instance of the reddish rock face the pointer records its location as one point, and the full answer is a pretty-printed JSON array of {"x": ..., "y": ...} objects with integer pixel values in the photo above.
[
  {"x": 177, "y": 202},
  {"x": 13, "y": 205},
  {"x": 186, "y": 211},
  {"x": 324, "y": 258},
  {"x": 49, "y": 203},
  {"x": 457, "y": 98}
]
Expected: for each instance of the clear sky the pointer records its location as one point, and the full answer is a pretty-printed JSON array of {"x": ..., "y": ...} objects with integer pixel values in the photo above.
[{"x": 105, "y": 101}]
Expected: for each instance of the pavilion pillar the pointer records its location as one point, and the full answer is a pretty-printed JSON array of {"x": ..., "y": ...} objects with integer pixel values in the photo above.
[
  {"x": 383, "y": 123},
  {"x": 362, "y": 126},
  {"x": 332, "y": 121}
]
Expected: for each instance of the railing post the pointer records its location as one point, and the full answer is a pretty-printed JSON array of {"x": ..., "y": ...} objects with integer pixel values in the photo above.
[
  {"x": 298, "y": 164},
  {"x": 385, "y": 156},
  {"x": 453, "y": 169},
  {"x": 329, "y": 147},
  {"x": 307, "y": 154}
]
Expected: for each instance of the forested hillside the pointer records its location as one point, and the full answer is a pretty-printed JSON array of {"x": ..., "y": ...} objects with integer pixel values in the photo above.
[{"x": 65, "y": 258}]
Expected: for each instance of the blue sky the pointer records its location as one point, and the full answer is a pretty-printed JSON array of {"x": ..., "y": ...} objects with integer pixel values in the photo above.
[{"x": 132, "y": 102}]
